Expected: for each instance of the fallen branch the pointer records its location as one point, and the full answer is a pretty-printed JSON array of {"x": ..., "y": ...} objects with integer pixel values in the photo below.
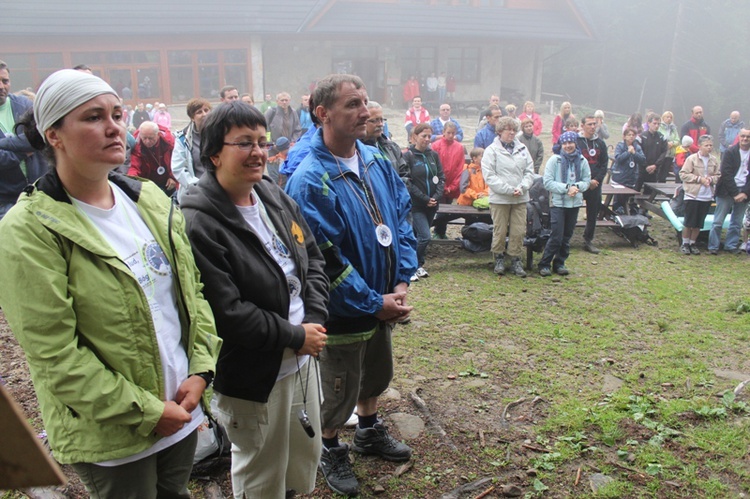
[
  {"x": 578, "y": 477},
  {"x": 485, "y": 493},
  {"x": 482, "y": 442},
  {"x": 467, "y": 487},
  {"x": 536, "y": 448},
  {"x": 503, "y": 416},
  {"x": 741, "y": 386},
  {"x": 422, "y": 406}
]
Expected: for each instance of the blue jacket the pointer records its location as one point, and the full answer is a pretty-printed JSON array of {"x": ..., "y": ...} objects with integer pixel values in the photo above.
[
  {"x": 627, "y": 166},
  {"x": 12, "y": 178},
  {"x": 359, "y": 269},
  {"x": 297, "y": 153},
  {"x": 557, "y": 183},
  {"x": 485, "y": 136},
  {"x": 728, "y": 132}
]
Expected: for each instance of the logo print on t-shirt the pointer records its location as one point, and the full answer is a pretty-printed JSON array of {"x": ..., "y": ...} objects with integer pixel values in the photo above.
[{"x": 156, "y": 259}]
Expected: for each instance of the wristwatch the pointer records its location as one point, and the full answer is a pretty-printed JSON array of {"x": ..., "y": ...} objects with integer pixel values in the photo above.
[{"x": 207, "y": 376}]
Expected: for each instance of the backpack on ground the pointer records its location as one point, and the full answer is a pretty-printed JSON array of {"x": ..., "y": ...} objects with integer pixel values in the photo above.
[
  {"x": 634, "y": 228},
  {"x": 477, "y": 237},
  {"x": 538, "y": 227},
  {"x": 678, "y": 202}
]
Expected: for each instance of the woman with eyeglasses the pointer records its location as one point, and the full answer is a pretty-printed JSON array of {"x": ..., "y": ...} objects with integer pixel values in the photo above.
[
  {"x": 509, "y": 172},
  {"x": 263, "y": 276},
  {"x": 99, "y": 285}
]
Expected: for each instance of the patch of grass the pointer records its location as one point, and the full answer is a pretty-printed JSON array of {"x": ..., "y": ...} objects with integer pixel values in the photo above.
[{"x": 639, "y": 316}]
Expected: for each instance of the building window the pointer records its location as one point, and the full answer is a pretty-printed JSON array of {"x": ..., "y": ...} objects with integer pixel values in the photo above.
[
  {"x": 29, "y": 70},
  {"x": 181, "y": 83},
  {"x": 418, "y": 61},
  {"x": 235, "y": 69},
  {"x": 463, "y": 63}
]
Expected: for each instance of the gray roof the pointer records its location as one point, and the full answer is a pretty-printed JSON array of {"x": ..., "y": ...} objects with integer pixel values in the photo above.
[{"x": 568, "y": 22}]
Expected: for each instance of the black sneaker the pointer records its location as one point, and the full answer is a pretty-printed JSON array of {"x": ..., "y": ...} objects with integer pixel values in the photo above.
[
  {"x": 685, "y": 249},
  {"x": 589, "y": 246},
  {"x": 545, "y": 271},
  {"x": 562, "y": 270},
  {"x": 378, "y": 441},
  {"x": 694, "y": 250},
  {"x": 337, "y": 470}
]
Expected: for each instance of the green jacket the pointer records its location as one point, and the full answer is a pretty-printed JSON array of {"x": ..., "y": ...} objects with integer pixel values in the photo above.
[{"x": 85, "y": 323}]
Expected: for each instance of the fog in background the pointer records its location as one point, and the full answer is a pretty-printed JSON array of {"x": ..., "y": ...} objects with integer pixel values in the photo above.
[{"x": 659, "y": 54}]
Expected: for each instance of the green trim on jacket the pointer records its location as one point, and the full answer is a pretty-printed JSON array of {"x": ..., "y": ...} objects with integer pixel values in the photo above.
[{"x": 85, "y": 323}]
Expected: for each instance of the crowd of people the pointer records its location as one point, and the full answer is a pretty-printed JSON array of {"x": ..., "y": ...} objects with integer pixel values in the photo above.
[{"x": 269, "y": 252}]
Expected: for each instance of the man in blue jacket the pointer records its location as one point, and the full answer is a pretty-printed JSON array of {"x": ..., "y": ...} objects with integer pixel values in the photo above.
[
  {"x": 17, "y": 167},
  {"x": 356, "y": 207}
]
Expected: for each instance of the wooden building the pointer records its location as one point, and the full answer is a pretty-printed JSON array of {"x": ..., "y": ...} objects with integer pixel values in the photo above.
[{"x": 170, "y": 51}]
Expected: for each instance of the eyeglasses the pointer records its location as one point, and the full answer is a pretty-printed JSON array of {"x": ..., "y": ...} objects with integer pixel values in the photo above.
[
  {"x": 375, "y": 121},
  {"x": 248, "y": 146}
]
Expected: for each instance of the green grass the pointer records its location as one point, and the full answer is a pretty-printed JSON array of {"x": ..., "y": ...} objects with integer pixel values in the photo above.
[{"x": 660, "y": 322}]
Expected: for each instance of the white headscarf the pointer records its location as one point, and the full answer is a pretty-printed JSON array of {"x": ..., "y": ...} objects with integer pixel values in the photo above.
[{"x": 62, "y": 92}]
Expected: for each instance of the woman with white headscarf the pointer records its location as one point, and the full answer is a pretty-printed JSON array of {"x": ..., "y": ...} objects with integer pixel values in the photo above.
[{"x": 99, "y": 285}]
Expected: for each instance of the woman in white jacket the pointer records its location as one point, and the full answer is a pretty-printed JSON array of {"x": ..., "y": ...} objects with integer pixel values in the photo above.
[{"x": 508, "y": 172}]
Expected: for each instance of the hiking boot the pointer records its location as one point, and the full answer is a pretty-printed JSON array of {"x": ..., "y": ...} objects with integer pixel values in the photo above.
[
  {"x": 713, "y": 252},
  {"x": 517, "y": 267},
  {"x": 694, "y": 250},
  {"x": 378, "y": 441},
  {"x": 500, "y": 265},
  {"x": 337, "y": 470},
  {"x": 685, "y": 249},
  {"x": 545, "y": 271},
  {"x": 421, "y": 272},
  {"x": 589, "y": 246},
  {"x": 562, "y": 270}
]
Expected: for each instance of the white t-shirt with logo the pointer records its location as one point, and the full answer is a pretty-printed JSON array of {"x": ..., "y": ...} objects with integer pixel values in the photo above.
[
  {"x": 259, "y": 223},
  {"x": 126, "y": 232}
]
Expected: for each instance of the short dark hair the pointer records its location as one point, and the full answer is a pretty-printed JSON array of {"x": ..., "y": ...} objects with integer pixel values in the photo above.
[
  {"x": 476, "y": 152},
  {"x": 195, "y": 105},
  {"x": 327, "y": 90},
  {"x": 588, "y": 117},
  {"x": 81, "y": 67},
  {"x": 421, "y": 128},
  {"x": 4, "y": 66},
  {"x": 225, "y": 89},
  {"x": 220, "y": 121}
]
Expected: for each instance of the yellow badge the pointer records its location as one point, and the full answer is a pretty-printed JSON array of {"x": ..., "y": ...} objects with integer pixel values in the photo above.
[{"x": 297, "y": 233}]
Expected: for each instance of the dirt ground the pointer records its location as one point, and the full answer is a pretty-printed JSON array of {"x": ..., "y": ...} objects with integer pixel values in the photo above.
[{"x": 470, "y": 423}]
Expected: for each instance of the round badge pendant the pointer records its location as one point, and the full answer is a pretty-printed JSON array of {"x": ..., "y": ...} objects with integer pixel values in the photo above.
[
  {"x": 161, "y": 170},
  {"x": 632, "y": 164},
  {"x": 592, "y": 152},
  {"x": 435, "y": 180},
  {"x": 295, "y": 286},
  {"x": 383, "y": 233}
]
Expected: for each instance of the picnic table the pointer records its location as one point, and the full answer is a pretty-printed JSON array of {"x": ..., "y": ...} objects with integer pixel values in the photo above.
[
  {"x": 606, "y": 214},
  {"x": 655, "y": 193}
]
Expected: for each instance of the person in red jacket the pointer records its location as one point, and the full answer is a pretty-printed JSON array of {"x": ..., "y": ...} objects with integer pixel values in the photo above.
[
  {"x": 416, "y": 115},
  {"x": 453, "y": 156},
  {"x": 695, "y": 128},
  {"x": 152, "y": 156},
  {"x": 411, "y": 89}
]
